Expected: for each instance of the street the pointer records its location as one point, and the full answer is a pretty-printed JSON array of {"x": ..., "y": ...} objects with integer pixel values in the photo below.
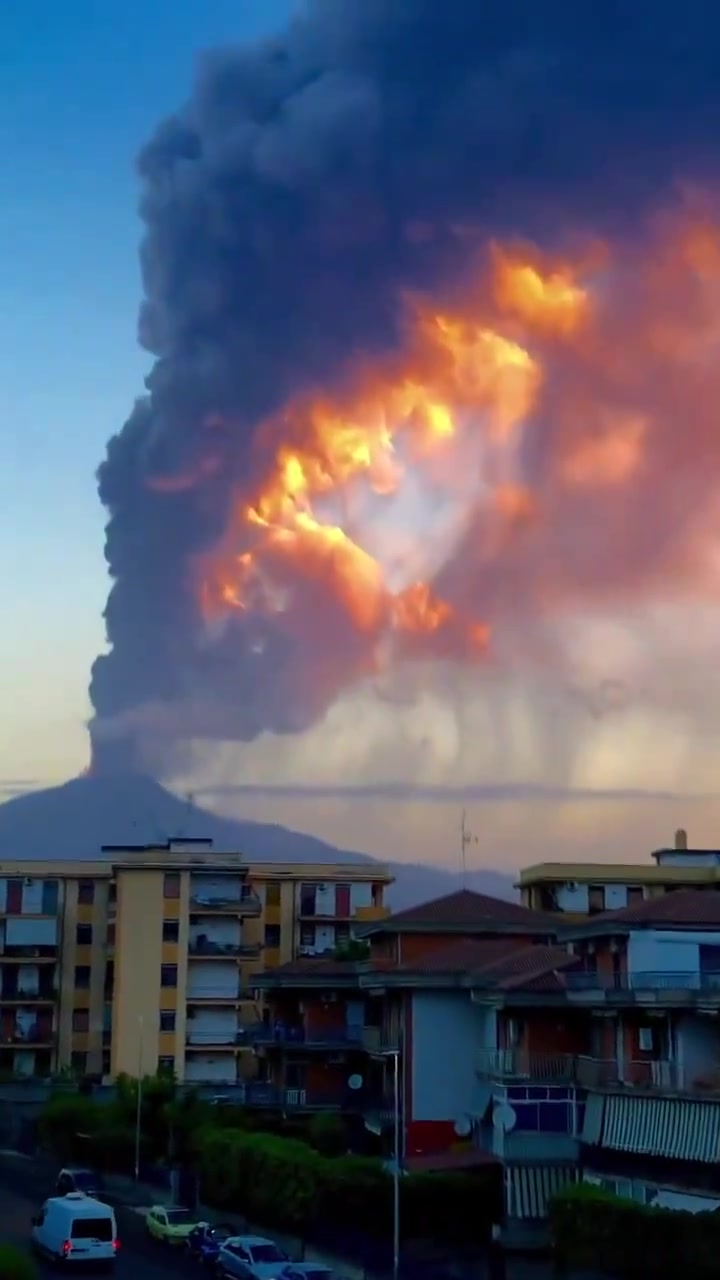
[{"x": 21, "y": 1196}]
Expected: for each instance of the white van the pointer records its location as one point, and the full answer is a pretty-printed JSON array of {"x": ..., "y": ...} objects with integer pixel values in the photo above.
[{"x": 75, "y": 1228}]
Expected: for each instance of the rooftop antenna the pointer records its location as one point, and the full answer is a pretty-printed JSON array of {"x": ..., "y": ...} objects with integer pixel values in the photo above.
[{"x": 466, "y": 837}]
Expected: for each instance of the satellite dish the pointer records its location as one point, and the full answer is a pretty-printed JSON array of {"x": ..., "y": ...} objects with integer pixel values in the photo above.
[
  {"x": 463, "y": 1127},
  {"x": 355, "y": 1082},
  {"x": 504, "y": 1118}
]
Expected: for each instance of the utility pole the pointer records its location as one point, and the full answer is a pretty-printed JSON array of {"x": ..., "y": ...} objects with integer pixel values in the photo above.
[{"x": 466, "y": 838}]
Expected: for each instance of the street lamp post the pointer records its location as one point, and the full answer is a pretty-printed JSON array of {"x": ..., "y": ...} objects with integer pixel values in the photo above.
[
  {"x": 396, "y": 1164},
  {"x": 138, "y": 1114}
]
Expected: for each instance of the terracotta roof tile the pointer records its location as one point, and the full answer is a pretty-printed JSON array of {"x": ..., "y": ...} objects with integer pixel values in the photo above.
[
  {"x": 678, "y": 907},
  {"x": 468, "y": 910},
  {"x": 465, "y": 956}
]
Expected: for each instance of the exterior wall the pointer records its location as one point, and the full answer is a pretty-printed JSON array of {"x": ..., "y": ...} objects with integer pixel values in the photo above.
[
  {"x": 572, "y": 897},
  {"x": 448, "y": 1031},
  {"x": 138, "y": 996},
  {"x": 693, "y": 858},
  {"x": 665, "y": 951}
]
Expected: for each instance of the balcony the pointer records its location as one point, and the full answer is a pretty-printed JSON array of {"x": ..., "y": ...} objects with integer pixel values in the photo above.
[
  {"x": 215, "y": 994},
  {"x": 220, "y": 1039},
  {"x": 380, "y": 1041},
  {"x": 28, "y": 1037},
  {"x": 248, "y": 904},
  {"x": 14, "y": 951},
  {"x": 643, "y": 987},
  {"x": 309, "y": 1037},
  {"x": 520, "y": 1066},
  {"x": 207, "y": 949},
  {"x": 43, "y": 995},
  {"x": 509, "y": 1065}
]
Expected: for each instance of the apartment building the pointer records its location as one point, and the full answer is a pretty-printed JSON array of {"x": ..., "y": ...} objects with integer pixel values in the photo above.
[
  {"x": 332, "y": 1030},
  {"x": 146, "y": 958},
  {"x": 577, "y": 889},
  {"x": 560, "y": 1051}
]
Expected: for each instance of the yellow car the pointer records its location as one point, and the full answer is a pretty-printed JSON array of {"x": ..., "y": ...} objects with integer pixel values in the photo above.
[{"x": 169, "y": 1224}]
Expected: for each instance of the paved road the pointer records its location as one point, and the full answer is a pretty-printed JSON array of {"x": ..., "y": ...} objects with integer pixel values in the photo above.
[{"x": 139, "y": 1257}]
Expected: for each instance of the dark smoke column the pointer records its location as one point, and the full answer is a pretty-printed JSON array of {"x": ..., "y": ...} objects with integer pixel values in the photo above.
[{"x": 281, "y": 208}]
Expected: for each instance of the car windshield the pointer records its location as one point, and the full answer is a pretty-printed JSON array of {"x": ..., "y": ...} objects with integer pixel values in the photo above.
[
  {"x": 267, "y": 1253},
  {"x": 179, "y": 1217}
]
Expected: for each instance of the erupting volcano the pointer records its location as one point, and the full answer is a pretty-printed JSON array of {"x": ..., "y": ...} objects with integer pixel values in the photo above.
[{"x": 416, "y": 380}]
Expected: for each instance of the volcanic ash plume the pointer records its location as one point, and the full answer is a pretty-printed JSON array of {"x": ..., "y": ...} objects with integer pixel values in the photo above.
[{"x": 416, "y": 377}]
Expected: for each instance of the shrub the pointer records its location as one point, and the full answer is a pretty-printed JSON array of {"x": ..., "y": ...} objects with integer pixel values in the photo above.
[
  {"x": 283, "y": 1183},
  {"x": 328, "y": 1134},
  {"x": 592, "y": 1228},
  {"x": 16, "y": 1265}
]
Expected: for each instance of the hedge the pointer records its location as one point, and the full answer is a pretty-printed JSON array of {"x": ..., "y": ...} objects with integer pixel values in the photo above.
[
  {"x": 15, "y": 1264},
  {"x": 283, "y": 1183},
  {"x": 594, "y": 1229}
]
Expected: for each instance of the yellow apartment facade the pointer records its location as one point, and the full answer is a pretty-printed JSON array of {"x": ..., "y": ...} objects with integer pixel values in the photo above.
[
  {"x": 145, "y": 958},
  {"x": 580, "y": 889}
]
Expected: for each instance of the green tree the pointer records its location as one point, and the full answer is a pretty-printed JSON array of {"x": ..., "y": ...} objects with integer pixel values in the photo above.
[{"x": 16, "y": 1265}]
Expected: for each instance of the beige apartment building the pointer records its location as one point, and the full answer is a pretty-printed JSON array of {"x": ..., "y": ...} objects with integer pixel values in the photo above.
[{"x": 145, "y": 958}]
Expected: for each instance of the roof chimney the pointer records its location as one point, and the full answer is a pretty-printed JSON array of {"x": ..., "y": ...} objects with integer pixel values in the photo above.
[{"x": 681, "y": 838}]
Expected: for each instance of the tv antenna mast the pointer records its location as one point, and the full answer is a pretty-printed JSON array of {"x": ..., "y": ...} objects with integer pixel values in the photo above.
[{"x": 466, "y": 837}]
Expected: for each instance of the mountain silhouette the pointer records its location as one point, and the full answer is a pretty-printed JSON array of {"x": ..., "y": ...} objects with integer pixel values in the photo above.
[{"x": 74, "y": 820}]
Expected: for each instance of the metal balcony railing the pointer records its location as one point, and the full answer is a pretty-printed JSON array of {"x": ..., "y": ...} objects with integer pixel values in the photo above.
[
  {"x": 283, "y": 1034},
  {"x": 28, "y": 1035},
  {"x": 208, "y": 947},
  {"x": 47, "y": 995},
  {"x": 247, "y": 904},
  {"x": 637, "y": 982},
  {"x": 661, "y": 1075},
  {"x": 230, "y": 1038},
  {"x": 208, "y": 991},
  {"x": 380, "y": 1040}
]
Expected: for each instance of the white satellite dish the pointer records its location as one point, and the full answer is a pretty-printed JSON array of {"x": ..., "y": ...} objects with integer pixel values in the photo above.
[
  {"x": 463, "y": 1126},
  {"x": 355, "y": 1082},
  {"x": 504, "y": 1118}
]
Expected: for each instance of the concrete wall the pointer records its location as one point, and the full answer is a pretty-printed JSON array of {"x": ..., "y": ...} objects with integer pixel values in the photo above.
[
  {"x": 448, "y": 1034},
  {"x": 138, "y": 996}
]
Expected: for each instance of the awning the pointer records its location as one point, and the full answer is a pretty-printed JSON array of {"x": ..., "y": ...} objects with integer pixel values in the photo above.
[
  {"x": 674, "y": 1128},
  {"x": 529, "y": 1188}
]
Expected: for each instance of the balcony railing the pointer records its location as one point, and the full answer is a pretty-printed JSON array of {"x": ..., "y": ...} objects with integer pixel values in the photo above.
[
  {"x": 248, "y": 904},
  {"x": 222, "y": 1037},
  {"x": 282, "y": 1034},
  {"x": 275, "y": 1097},
  {"x": 380, "y": 1040},
  {"x": 217, "y": 950},
  {"x": 46, "y": 995},
  {"x": 519, "y": 1064},
  {"x": 28, "y": 1035},
  {"x": 660, "y": 1075},
  {"x": 640, "y": 982},
  {"x": 23, "y": 951},
  {"x": 209, "y": 991}
]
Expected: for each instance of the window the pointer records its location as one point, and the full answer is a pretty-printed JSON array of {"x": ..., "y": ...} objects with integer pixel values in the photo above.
[
  {"x": 171, "y": 884},
  {"x": 168, "y": 975},
  {"x": 272, "y": 935},
  {"x": 272, "y": 894},
  {"x": 92, "y": 1229},
  {"x": 78, "y": 1062},
  {"x": 635, "y": 894},
  {"x": 596, "y": 898},
  {"x": 342, "y": 935},
  {"x": 294, "y": 1075},
  {"x": 171, "y": 930},
  {"x": 111, "y": 934},
  {"x": 109, "y": 977},
  {"x": 166, "y": 1066},
  {"x": 112, "y": 893},
  {"x": 50, "y": 894},
  {"x": 106, "y": 1062},
  {"x": 307, "y": 935},
  {"x": 83, "y": 935},
  {"x": 307, "y": 899},
  {"x": 81, "y": 1020},
  {"x": 82, "y": 977},
  {"x": 86, "y": 892},
  {"x": 167, "y": 1019}
]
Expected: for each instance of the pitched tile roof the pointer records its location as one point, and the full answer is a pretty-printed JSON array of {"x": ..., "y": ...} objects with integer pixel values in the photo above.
[
  {"x": 466, "y": 909},
  {"x": 678, "y": 907}
]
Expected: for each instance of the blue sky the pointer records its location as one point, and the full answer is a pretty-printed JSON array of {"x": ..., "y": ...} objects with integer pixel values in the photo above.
[{"x": 84, "y": 84}]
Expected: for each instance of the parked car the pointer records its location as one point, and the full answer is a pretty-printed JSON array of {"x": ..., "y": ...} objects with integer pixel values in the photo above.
[
  {"x": 85, "y": 1180},
  {"x": 75, "y": 1228},
  {"x": 170, "y": 1223},
  {"x": 250, "y": 1258},
  {"x": 306, "y": 1271},
  {"x": 206, "y": 1239}
]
